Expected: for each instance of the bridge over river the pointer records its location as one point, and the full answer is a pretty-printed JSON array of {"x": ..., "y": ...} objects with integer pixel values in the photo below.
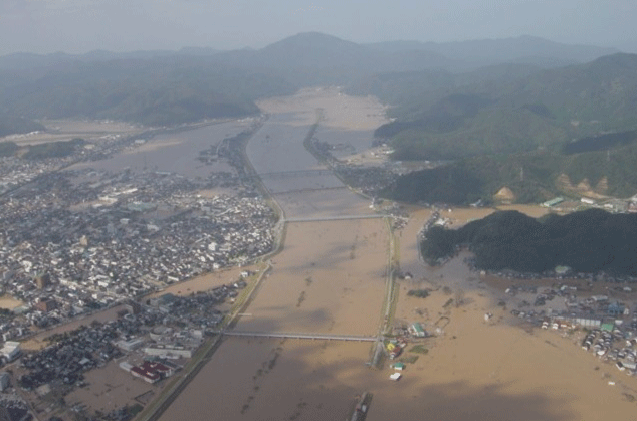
[
  {"x": 306, "y": 336},
  {"x": 334, "y": 218},
  {"x": 294, "y": 173}
]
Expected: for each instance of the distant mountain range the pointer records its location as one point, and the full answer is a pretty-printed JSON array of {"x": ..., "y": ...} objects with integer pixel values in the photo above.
[
  {"x": 171, "y": 87},
  {"x": 506, "y": 111},
  {"x": 325, "y": 51},
  {"x": 511, "y": 108},
  {"x": 523, "y": 49}
]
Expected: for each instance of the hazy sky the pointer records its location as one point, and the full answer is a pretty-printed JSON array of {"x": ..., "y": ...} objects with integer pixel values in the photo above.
[{"x": 123, "y": 25}]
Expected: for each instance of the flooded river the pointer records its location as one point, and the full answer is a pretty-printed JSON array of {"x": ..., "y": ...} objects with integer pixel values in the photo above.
[
  {"x": 329, "y": 278},
  {"x": 301, "y": 186},
  {"x": 176, "y": 152}
]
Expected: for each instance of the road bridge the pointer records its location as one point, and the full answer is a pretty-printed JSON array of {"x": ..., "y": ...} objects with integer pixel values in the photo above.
[
  {"x": 334, "y": 218},
  {"x": 305, "y": 336},
  {"x": 294, "y": 173},
  {"x": 308, "y": 190}
]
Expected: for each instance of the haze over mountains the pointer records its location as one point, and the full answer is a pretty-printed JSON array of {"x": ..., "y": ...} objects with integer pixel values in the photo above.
[
  {"x": 313, "y": 48},
  {"x": 172, "y": 87},
  {"x": 452, "y": 101}
]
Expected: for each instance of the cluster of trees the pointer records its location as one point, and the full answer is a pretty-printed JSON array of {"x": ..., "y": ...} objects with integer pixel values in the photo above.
[
  {"x": 17, "y": 125},
  {"x": 588, "y": 241},
  {"x": 58, "y": 149},
  {"x": 53, "y": 149},
  {"x": 600, "y": 143},
  {"x": 420, "y": 293},
  {"x": 8, "y": 148}
]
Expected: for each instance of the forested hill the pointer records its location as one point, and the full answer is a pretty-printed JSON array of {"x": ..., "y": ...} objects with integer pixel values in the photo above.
[
  {"x": 570, "y": 130},
  {"x": 442, "y": 118},
  {"x": 597, "y": 167},
  {"x": 16, "y": 125},
  {"x": 160, "y": 91},
  {"x": 589, "y": 241}
]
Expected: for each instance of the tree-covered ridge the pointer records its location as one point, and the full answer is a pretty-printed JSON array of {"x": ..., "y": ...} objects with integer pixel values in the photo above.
[
  {"x": 59, "y": 149},
  {"x": 17, "y": 125},
  {"x": 8, "y": 149},
  {"x": 589, "y": 241},
  {"x": 451, "y": 117},
  {"x": 161, "y": 91},
  {"x": 531, "y": 177}
]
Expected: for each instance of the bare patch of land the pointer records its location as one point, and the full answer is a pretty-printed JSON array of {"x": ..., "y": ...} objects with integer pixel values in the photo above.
[{"x": 6, "y": 301}]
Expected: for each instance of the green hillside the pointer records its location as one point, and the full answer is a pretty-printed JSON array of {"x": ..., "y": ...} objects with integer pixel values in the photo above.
[
  {"x": 588, "y": 241},
  {"x": 545, "y": 109},
  {"x": 16, "y": 125},
  {"x": 532, "y": 177},
  {"x": 561, "y": 131},
  {"x": 152, "y": 92}
]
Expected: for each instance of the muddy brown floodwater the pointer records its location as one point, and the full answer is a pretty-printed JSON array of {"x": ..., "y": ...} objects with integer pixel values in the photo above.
[{"x": 329, "y": 278}]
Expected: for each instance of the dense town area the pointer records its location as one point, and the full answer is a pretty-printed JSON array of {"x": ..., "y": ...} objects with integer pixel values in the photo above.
[
  {"x": 75, "y": 240},
  {"x": 150, "y": 340}
]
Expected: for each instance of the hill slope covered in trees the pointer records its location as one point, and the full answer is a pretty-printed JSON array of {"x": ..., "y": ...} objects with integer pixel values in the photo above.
[{"x": 588, "y": 241}]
